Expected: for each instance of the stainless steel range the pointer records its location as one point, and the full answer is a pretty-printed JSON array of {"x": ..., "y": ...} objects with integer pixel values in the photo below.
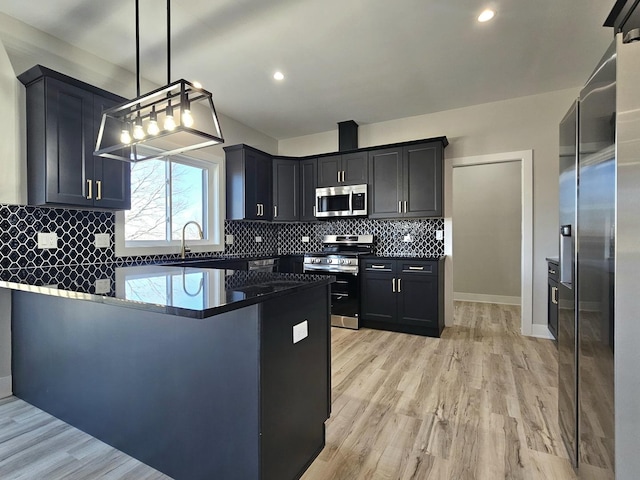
[{"x": 339, "y": 257}]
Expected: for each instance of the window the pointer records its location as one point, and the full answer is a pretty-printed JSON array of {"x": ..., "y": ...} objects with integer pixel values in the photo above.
[{"x": 165, "y": 195}]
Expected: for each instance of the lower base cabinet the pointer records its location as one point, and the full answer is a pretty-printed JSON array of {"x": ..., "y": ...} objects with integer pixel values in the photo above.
[{"x": 403, "y": 295}]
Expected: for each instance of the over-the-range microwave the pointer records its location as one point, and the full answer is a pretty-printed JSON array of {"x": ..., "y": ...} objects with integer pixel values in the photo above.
[{"x": 342, "y": 201}]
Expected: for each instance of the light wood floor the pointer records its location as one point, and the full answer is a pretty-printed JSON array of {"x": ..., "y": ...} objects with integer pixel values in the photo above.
[{"x": 478, "y": 403}]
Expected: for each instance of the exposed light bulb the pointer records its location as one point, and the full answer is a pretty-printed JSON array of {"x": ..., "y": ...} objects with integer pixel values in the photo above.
[
  {"x": 197, "y": 84},
  {"x": 125, "y": 137},
  {"x": 138, "y": 131},
  {"x": 169, "y": 121},
  {"x": 153, "y": 128},
  {"x": 187, "y": 118},
  {"x": 278, "y": 76},
  {"x": 486, "y": 15}
]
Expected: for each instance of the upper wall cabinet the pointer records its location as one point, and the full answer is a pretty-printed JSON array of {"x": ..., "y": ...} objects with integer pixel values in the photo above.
[
  {"x": 286, "y": 189},
  {"x": 249, "y": 187},
  {"x": 406, "y": 181},
  {"x": 347, "y": 169},
  {"x": 308, "y": 183},
  {"x": 63, "y": 118}
]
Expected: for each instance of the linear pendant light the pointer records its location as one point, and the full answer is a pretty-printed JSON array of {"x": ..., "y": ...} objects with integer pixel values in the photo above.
[{"x": 173, "y": 119}]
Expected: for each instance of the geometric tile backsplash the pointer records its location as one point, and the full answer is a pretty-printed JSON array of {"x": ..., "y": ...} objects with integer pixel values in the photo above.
[{"x": 20, "y": 224}]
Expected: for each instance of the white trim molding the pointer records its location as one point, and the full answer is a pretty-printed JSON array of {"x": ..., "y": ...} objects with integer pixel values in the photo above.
[
  {"x": 541, "y": 331},
  {"x": 525, "y": 157},
  {"x": 6, "y": 387},
  {"x": 483, "y": 298}
]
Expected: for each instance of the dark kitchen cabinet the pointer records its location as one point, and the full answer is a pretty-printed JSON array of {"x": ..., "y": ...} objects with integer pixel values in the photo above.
[
  {"x": 286, "y": 190},
  {"x": 249, "y": 186},
  {"x": 347, "y": 169},
  {"x": 406, "y": 181},
  {"x": 403, "y": 295},
  {"x": 63, "y": 119},
  {"x": 552, "y": 297},
  {"x": 308, "y": 184}
]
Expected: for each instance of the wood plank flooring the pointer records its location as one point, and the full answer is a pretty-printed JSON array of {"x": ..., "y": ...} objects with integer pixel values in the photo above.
[{"x": 478, "y": 403}]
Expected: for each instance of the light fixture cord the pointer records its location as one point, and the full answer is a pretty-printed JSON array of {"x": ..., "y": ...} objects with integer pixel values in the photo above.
[
  {"x": 168, "y": 42},
  {"x": 137, "y": 48}
]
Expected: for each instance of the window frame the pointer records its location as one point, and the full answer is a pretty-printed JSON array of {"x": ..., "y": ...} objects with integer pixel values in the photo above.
[{"x": 214, "y": 214}]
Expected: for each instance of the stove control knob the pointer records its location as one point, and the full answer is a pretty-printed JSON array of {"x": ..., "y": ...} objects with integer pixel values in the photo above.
[
  {"x": 329, "y": 260},
  {"x": 346, "y": 261},
  {"x": 316, "y": 260}
]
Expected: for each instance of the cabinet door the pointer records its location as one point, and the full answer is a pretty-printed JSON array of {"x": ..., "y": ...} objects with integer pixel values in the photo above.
[
  {"x": 378, "y": 289},
  {"x": 552, "y": 307},
  {"x": 263, "y": 186},
  {"x": 69, "y": 144},
  {"x": 286, "y": 191},
  {"x": 422, "y": 180},
  {"x": 418, "y": 299},
  {"x": 111, "y": 178},
  {"x": 328, "y": 169},
  {"x": 308, "y": 182},
  {"x": 385, "y": 183},
  {"x": 355, "y": 169},
  {"x": 257, "y": 185}
]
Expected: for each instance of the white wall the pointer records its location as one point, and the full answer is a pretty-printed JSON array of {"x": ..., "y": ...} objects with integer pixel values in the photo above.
[
  {"x": 22, "y": 47},
  {"x": 512, "y": 125},
  {"x": 487, "y": 217}
]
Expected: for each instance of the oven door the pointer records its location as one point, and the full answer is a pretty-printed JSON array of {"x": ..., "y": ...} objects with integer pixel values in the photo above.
[{"x": 345, "y": 300}]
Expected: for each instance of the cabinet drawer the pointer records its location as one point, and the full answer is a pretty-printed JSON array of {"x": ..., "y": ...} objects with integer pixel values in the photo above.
[
  {"x": 418, "y": 267},
  {"x": 379, "y": 265}
]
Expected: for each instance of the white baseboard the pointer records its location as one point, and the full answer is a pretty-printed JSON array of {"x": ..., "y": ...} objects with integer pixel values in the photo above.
[
  {"x": 540, "y": 331},
  {"x": 5, "y": 387},
  {"x": 482, "y": 298}
]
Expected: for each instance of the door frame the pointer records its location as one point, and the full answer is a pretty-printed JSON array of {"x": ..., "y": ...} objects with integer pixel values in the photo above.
[{"x": 525, "y": 157}]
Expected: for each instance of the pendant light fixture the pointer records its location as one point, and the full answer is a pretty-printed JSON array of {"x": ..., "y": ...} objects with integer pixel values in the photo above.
[{"x": 173, "y": 119}]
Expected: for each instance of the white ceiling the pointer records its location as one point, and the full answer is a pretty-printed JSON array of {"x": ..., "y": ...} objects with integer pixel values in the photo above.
[{"x": 366, "y": 60}]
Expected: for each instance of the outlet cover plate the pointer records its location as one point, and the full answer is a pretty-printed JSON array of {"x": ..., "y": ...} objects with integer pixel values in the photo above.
[
  {"x": 228, "y": 239},
  {"x": 258, "y": 239},
  {"x": 103, "y": 285},
  {"x": 305, "y": 239},
  {"x": 47, "y": 240},
  {"x": 101, "y": 240},
  {"x": 439, "y": 234}
]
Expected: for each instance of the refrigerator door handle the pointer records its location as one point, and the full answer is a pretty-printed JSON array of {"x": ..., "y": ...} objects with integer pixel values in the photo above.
[{"x": 566, "y": 256}]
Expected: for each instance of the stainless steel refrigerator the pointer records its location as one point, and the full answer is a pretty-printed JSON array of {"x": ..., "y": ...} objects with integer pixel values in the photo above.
[
  {"x": 599, "y": 153},
  {"x": 587, "y": 240}
]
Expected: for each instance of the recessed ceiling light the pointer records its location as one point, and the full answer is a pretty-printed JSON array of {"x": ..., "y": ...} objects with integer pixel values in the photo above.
[
  {"x": 278, "y": 76},
  {"x": 487, "y": 15}
]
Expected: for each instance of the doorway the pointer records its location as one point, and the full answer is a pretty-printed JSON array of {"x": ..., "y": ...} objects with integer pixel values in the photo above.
[{"x": 525, "y": 161}]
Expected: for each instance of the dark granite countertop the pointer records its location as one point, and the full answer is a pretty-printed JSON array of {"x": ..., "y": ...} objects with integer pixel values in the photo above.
[{"x": 183, "y": 291}]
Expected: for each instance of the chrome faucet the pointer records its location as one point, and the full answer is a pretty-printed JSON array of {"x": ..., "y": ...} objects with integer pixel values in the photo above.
[{"x": 184, "y": 248}]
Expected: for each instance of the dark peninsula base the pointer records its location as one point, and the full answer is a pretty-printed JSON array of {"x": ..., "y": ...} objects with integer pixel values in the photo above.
[{"x": 229, "y": 396}]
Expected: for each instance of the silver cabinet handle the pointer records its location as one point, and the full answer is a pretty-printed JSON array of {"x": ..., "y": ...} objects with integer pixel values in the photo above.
[
  {"x": 405, "y": 206},
  {"x": 262, "y": 209},
  {"x": 99, "y": 185},
  {"x": 314, "y": 210},
  {"x": 399, "y": 289},
  {"x": 90, "y": 188},
  {"x": 338, "y": 176},
  {"x": 554, "y": 295},
  {"x": 342, "y": 176},
  {"x": 258, "y": 209},
  {"x": 377, "y": 266},
  {"x": 416, "y": 268},
  {"x": 275, "y": 211},
  {"x": 393, "y": 285},
  {"x": 400, "y": 206},
  {"x": 351, "y": 202}
]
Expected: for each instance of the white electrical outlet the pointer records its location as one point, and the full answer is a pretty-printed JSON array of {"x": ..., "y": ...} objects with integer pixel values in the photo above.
[
  {"x": 47, "y": 240},
  {"x": 407, "y": 238},
  {"x": 228, "y": 239},
  {"x": 439, "y": 234},
  {"x": 103, "y": 285},
  {"x": 305, "y": 239},
  {"x": 258, "y": 239},
  {"x": 101, "y": 240}
]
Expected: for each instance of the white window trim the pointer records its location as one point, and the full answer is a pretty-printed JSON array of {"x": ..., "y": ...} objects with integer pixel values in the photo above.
[{"x": 215, "y": 212}]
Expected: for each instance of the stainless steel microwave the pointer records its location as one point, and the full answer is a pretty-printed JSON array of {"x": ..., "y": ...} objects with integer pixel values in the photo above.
[{"x": 342, "y": 201}]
